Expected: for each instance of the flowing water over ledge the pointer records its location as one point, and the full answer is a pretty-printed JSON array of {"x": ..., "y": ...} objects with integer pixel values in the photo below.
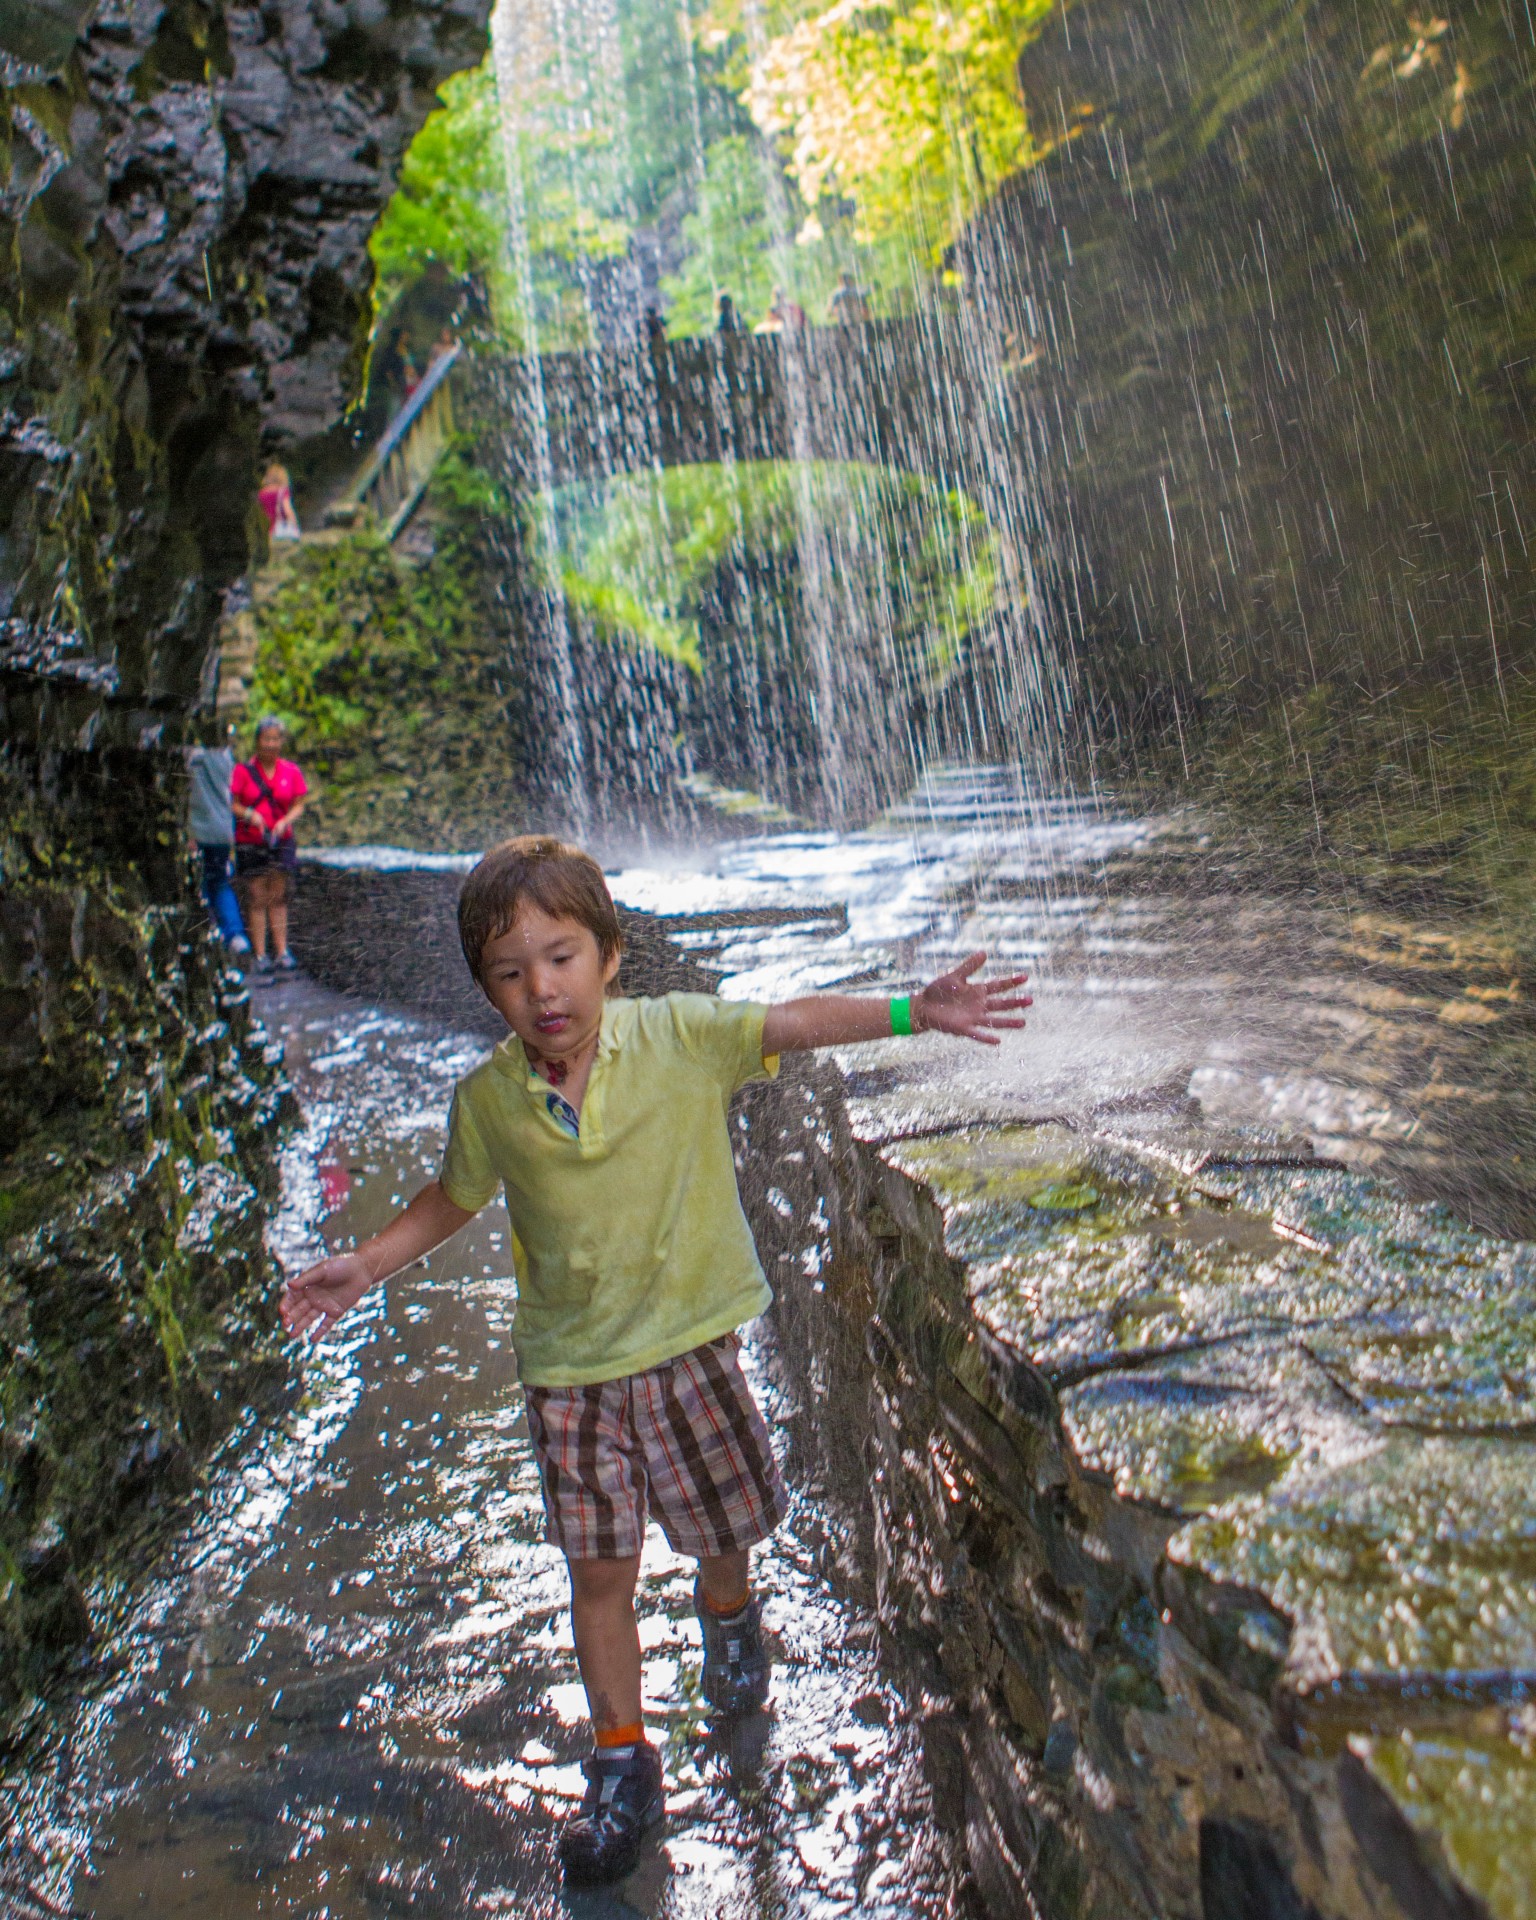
[{"x": 1297, "y": 1000}]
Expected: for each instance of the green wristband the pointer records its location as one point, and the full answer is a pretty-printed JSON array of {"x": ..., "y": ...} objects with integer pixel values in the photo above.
[{"x": 901, "y": 1014}]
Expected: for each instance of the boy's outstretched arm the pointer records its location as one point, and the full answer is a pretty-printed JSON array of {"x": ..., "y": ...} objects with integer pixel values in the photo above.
[
  {"x": 954, "y": 1003},
  {"x": 317, "y": 1299}
]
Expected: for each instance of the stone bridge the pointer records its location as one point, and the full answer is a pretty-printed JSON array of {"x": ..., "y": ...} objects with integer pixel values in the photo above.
[
  {"x": 911, "y": 394},
  {"x": 897, "y": 392}
]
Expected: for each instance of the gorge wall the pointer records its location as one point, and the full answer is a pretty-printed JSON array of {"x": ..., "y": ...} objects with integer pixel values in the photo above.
[
  {"x": 188, "y": 191},
  {"x": 1272, "y": 300}
]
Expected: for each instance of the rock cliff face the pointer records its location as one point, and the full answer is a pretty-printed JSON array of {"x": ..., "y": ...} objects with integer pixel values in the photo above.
[
  {"x": 186, "y": 192},
  {"x": 1273, "y": 298}
]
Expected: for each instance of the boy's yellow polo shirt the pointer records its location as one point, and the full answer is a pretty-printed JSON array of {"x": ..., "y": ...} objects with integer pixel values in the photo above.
[{"x": 631, "y": 1245}]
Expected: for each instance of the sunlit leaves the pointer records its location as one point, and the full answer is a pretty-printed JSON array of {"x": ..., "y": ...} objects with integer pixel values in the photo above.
[
  {"x": 910, "y": 110},
  {"x": 450, "y": 209}
]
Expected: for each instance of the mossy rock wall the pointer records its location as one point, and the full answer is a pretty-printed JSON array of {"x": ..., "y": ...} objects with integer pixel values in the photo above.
[
  {"x": 1191, "y": 1479},
  {"x": 140, "y": 1113},
  {"x": 1273, "y": 300},
  {"x": 188, "y": 192}
]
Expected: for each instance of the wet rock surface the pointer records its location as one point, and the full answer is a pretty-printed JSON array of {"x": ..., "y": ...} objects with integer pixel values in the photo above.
[
  {"x": 351, "y": 1689},
  {"x": 1200, "y": 1452},
  {"x": 1249, "y": 1485},
  {"x": 187, "y": 195},
  {"x": 1237, "y": 288},
  {"x": 139, "y": 1122}
]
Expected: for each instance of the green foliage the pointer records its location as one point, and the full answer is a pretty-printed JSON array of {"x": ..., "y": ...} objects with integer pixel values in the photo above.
[
  {"x": 895, "y": 123},
  {"x": 661, "y": 87},
  {"x": 450, "y": 209},
  {"x": 910, "y": 111},
  {"x": 394, "y": 679},
  {"x": 641, "y": 554},
  {"x": 742, "y": 244}
]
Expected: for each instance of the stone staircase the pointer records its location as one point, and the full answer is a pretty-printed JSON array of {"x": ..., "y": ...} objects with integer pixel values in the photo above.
[{"x": 386, "y": 491}]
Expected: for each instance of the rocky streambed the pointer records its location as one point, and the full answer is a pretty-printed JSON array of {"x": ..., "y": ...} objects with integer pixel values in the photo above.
[
  {"x": 349, "y": 1688},
  {"x": 1187, "y": 1457}
]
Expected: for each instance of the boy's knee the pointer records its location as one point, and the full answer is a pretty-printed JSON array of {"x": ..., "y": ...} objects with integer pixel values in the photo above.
[{"x": 603, "y": 1582}]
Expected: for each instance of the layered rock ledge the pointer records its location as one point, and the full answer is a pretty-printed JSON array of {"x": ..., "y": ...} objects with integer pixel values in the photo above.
[{"x": 1202, "y": 1504}]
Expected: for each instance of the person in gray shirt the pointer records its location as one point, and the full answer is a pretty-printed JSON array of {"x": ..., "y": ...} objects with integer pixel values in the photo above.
[{"x": 211, "y": 828}]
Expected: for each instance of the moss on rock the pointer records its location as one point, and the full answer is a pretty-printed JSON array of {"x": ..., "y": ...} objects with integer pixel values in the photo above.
[{"x": 138, "y": 1132}]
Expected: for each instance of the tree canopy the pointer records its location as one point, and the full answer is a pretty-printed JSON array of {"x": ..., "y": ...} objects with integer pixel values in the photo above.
[{"x": 636, "y": 152}]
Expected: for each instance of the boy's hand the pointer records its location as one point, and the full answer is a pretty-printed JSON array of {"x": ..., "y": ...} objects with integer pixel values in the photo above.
[
  {"x": 954, "y": 1003},
  {"x": 314, "y": 1302},
  {"x": 974, "y": 1009},
  {"x": 317, "y": 1299}
]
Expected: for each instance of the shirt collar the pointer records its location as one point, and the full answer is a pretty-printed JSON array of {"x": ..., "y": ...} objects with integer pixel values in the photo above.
[{"x": 511, "y": 1057}]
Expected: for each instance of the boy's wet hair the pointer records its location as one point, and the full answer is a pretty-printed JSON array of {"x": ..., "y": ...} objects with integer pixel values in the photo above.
[{"x": 560, "y": 880}]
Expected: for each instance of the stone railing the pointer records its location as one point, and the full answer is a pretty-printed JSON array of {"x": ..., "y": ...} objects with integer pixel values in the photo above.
[
  {"x": 389, "y": 487},
  {"x": 918, "y": 393}
]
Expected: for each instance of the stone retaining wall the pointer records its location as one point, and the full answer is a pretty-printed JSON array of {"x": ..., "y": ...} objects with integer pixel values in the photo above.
[{"x": 1207, "y": 1559}]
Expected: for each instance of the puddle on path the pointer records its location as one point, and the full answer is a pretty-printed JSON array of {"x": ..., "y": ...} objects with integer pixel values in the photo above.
[{"x": 351, "y": 1691}]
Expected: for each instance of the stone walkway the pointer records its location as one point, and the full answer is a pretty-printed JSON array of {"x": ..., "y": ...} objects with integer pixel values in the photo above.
[{"x": 352, "y": 1692}]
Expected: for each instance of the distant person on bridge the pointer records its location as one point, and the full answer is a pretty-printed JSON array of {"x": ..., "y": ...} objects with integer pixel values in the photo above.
[
  {"x": 443, "y": 345},
  {"x": 269, "y": 794},
  {"x": 783, "y": 316},
  {"x": 605, "y": 1122},
  {"x": 849, "y": 305},
  {"x": 725, "y": 315},
  {"x": 276, "y": 500}
]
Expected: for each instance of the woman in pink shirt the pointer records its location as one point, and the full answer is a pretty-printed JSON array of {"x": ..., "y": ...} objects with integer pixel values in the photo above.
[
  {"x": 268, "y": 794},
  {"x": 276, "y": 498}
]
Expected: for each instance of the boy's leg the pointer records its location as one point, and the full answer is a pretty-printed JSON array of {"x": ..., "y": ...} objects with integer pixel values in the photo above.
[
  {"x": 608, "y": 1646},
  {"x": 725, "y": 1580},
  {"x": 716, "y": 1490},
  {"x": 738, "y": 1671},
  {"x": 594, "y": 1496}
]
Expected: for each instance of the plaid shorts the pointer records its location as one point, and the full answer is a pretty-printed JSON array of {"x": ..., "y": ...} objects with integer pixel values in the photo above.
[{"x": 683, "y": 1440}]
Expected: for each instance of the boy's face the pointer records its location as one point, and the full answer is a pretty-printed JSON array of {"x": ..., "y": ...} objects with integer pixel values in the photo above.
[{"x": 546, "y": 977}]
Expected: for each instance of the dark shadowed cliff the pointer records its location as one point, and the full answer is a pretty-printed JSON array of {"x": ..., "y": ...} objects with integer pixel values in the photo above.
[{"x": 186, "y": 193}]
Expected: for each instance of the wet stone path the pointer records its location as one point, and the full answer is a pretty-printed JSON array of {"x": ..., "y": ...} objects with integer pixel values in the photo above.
[{"x": 351, "y": 1692}]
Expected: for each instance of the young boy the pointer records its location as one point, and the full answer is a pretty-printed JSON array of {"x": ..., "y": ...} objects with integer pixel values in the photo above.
[{"x": 604, "y": 1121}]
